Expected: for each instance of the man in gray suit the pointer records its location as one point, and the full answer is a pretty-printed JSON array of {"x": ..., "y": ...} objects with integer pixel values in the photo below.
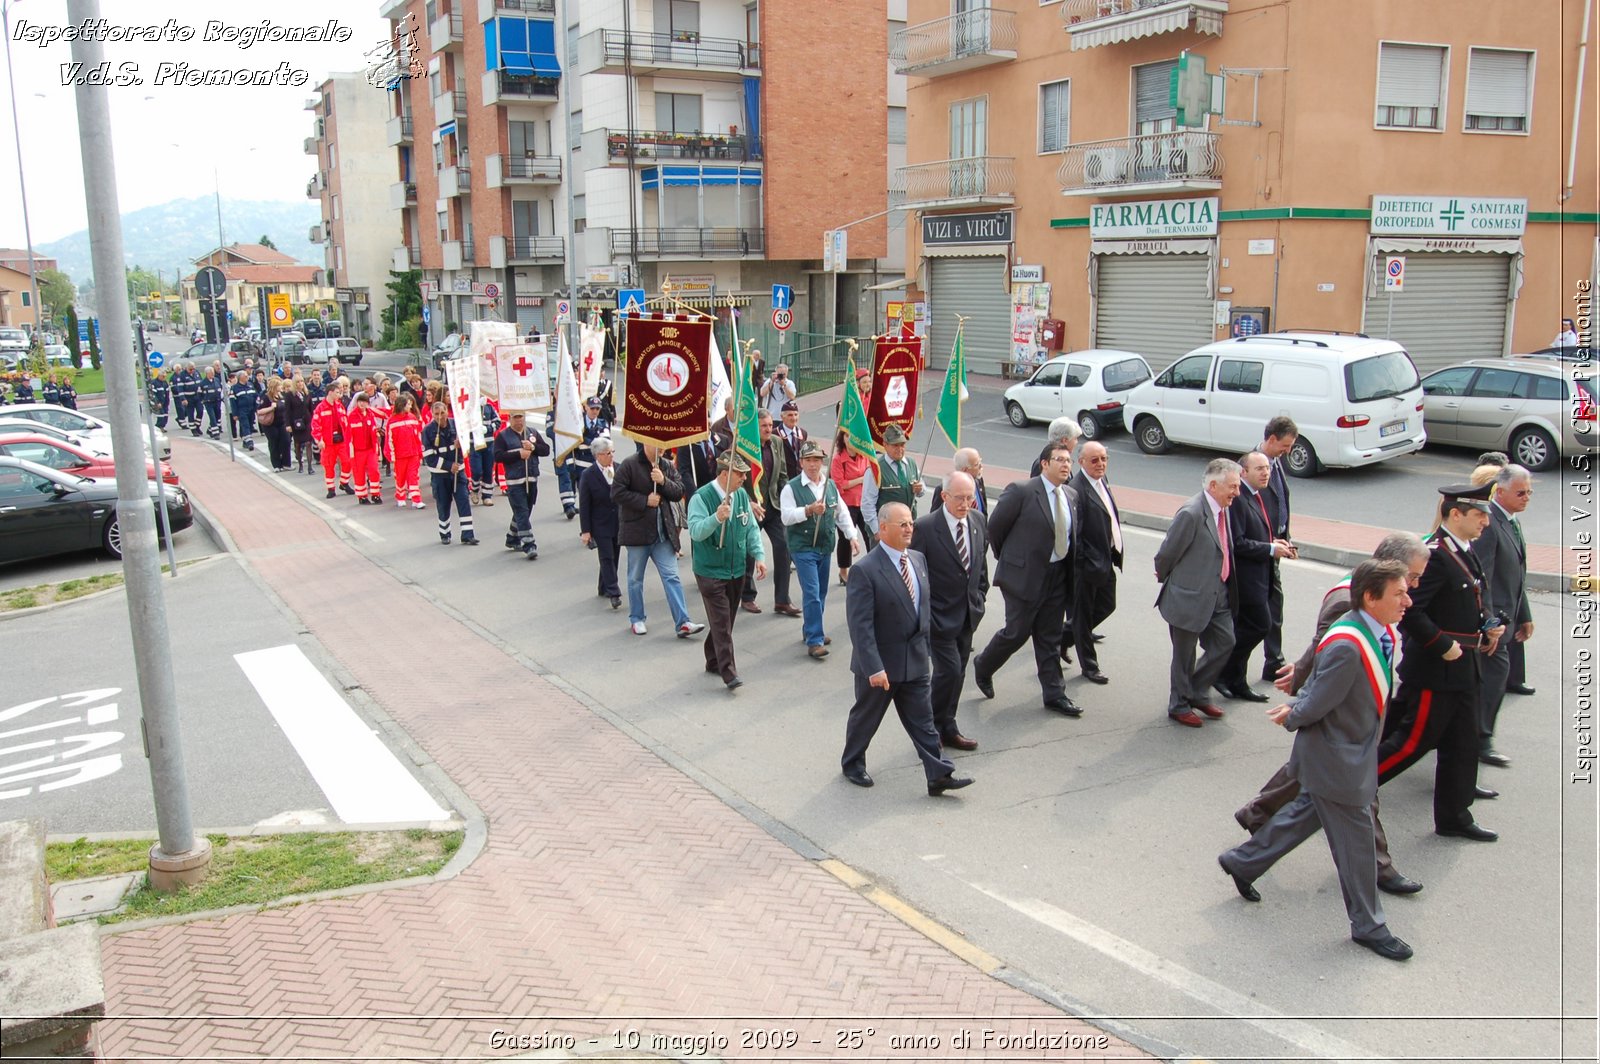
[
  {"x": 1503, "y": 553},
  {"x": 1194, "y": 566},
  {"x": 888, "y": 608},
  {"x": 1337, "y": 720}
]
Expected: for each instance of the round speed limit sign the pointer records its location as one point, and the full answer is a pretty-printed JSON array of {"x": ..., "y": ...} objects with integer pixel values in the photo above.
[{"x": 782, "y": 319}]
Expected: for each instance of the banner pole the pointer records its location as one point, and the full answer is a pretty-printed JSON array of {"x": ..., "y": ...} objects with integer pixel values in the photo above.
[{"x": 961, "y": 325}]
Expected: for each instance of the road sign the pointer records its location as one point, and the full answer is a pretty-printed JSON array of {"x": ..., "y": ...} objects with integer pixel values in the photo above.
[
  {"x": 491, "y": 290},
  {"x": 209, "y": 282},
  {"x": 630, "y": 300},
  {"x": 1394, "y": 273},
  {"x": 279, "y": 314},
  {"x": 157, "y": 359},
  {"x": 563, "y": 309},
  {"x": 835, "y": 250},
  {"x": 782, "y": 319},
  {"x": 426, "y": 316},
  {"x": 782, "y": 297}
]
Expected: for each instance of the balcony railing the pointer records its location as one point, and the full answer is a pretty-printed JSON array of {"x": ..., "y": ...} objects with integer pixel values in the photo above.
[
  {"x": 446, "y": 31},
  {"x": 1097, "y": 22},
  {"x": 501, "y": 87},
  {"x": 398, "y": 130},
  {"x": 402, "y": 194},
  {"x": 407, "y": 258},
  {"x": 455, "y": 181},
  {"x": 678, "y": 49},
  {"x": 536, "y": 248},
  {"x": 961, "y": 182},
  {"x": 651, "y": 144},
  {"x": 689, "y": 242},
  {"x": 1187, "y": 158},
  {"x": 530, "y": 168},
  {"x": 527, "y": 7},
  {"x": 970, "y": 39}
]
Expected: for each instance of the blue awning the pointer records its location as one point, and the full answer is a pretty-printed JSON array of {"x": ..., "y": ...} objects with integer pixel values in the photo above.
[
  {"x": 523, "y": 46},
  {"x": 652, "y": 177},
  {"x": 448, "y": 128}
]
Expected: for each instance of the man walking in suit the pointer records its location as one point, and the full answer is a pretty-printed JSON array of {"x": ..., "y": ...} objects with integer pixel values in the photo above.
[
  {"x": 1503, "y": 553},
  {"x": 889, "y": 611},
  {"x": 1194, "y": 566},
  {"x": 954, "y": 539},
  {"x": 793, "y": 437},
  {"x": 1277, "y": 440},
  {"x": 1255, "y": 556},
  {"x": 1031, "y": 530},
  {"x": 968, "y": 461},
  {"x": 1097, "y": 555},
  {"x": 597, "y": 516},
  {"x": 1336, "y": 721}
]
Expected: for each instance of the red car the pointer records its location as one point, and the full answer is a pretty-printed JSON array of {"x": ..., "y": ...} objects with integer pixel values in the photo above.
[{"x": 67, "y": 457}]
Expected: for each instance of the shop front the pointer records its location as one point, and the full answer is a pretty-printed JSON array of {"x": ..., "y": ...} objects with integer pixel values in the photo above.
[
  {"x": 1152, "y": 276},
  {"x": 967, "y": 259}
]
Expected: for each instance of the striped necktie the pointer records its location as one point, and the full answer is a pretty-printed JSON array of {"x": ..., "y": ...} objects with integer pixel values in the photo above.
[
  {"x": 961, "y": 545},
  {"x": 905, "y": 574}
]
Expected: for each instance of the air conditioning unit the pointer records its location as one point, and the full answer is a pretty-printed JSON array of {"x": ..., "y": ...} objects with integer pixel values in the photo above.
[
  {"x": 1178, "y": 163},
  {"x": 1105, "y": 166}
]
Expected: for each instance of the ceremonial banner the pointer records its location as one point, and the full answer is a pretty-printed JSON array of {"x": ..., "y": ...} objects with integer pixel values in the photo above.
[
  {"x": 591, "y": 356},
  {"x": 747, "y": 420},
  {"x": 667, "y": 380},
  {"x": 896, "y": 367},
  {"x": 484, "y": 337},
  {"x": 721, "y": 386},
  {"x": 524, "y": 377},
  {"x": 461, "y": 377},
  {"x": 853, "y": 415},
  {"x": 567, "y": 432}
]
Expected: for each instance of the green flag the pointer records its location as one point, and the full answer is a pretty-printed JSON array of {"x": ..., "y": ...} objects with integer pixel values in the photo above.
[
  {"x": 747, "y": 409},
  {"x": 953, "y": 394},
  {"x": 853, "y": 416}
]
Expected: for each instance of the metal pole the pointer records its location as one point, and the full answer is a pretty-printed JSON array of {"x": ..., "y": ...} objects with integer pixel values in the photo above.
[
  {"x": 22, "y": 184},
  {"x": 155, "y": 457},
  {"x": 179, "y": 856},
  {"x": 1388, "y": 326},
  {"x": 574, "y": 334}
]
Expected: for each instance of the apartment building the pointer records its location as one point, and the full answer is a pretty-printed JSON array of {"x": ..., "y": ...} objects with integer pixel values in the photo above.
[
  {"x": 352, "y": 187},
  {"x": 249, "y": 270},
  {"x": 1058, "y": 187},
  {"x": 549, "y": 150}
]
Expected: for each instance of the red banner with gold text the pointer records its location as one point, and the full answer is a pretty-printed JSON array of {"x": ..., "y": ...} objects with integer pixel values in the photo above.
[
  {"x": 666, "y": 380},
  {"x": 896, "y": 368}
]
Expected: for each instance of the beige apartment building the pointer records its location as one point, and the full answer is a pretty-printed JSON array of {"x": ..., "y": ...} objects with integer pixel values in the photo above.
[
  {"x": 251, "y": 269},
  {"x": 1056, "y": 188}
]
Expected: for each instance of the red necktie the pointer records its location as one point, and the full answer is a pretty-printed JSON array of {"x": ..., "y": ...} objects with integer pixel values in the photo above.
[
  {"x": 1263, "y": 504},
  {"x": 1222, "y": 538}
]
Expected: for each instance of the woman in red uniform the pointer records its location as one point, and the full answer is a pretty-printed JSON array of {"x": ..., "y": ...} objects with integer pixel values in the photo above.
[
  {"x": 405, "y": 451},
  {"x": 365, "y": 428},
  {"x": 330, "y": 428}
]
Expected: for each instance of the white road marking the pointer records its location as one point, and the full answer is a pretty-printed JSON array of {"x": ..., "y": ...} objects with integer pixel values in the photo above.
[
  {"x": 363, "y": 781},
  {"x": 1320, "y": 1044}
]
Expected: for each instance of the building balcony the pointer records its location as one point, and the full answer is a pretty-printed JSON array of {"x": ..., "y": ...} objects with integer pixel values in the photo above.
[
  {"x": 612, "y": 147},
  {"x": 488, "y": 9},
  {"x": 407, "y": 258},
  {"x": 457, "y": 254},
  {"x": 689, "y": 243},
  {"x": 502, "y": 170},
  {"x": 311, "y": 145},
  {"x": 500, "y": 87},
  {"x": 976, "y": 38},
  {"x": 402, "y": 194},
  {"x": 318, "y": 234},
  {"x": 447, "y": 32},
  {"x": 983, "y": 181},
  {"x": 1092, "y": 23},
  {"x": 455, "y": 181},
  {"x": 614, "y": 51},
  {"x": 393, "y": 9},
  {"x": 397, "y": 131},
  {"x": 449, "y": 106},
  {"x": 526, "y": 250},
  {"x": 1184, "y": 160}
]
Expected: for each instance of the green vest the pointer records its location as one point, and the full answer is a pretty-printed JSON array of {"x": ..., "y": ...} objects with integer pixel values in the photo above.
[
  {"x": 893, "y": 489},
  {"x": 814, "y": 533}
]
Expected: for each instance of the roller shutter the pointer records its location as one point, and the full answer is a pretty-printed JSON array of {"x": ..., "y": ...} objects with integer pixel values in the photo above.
[
  {"x": 1156, "y": 305},
  {"x": 529, "y": 318},
  {"x": 975, "y": 288},
  {"x": 1453, "y": 308}
]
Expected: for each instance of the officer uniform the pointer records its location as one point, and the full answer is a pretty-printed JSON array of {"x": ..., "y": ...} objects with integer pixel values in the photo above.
[
  {"x": 22, "y": 392},
  {"x": 185, "y": 393},
  {"x": 51, "y": 392},
  {"x": 69, "y": 395},
  {"x": 160, "y": 398},
  {"x": 242, "y": 400},
  {"x": 441, "y": 456},
  {"x": 483, "y": 459},
  {"x": 210, "y": 395},
  {"x": 522, "y": 484}
]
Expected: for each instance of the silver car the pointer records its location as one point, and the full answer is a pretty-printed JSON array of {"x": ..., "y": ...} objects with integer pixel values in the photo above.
[{"x": 1534, "y": 410}]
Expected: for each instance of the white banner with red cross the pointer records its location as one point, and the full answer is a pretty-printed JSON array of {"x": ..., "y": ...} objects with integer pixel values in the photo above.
[
  {"x": 524, "y": 378},
  {"x": 485, "y": 337},
  {"x": 466, "y": 402}
]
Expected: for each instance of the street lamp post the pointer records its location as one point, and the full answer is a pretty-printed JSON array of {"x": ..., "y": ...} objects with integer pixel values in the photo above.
[{"x": 22, "y": 184}]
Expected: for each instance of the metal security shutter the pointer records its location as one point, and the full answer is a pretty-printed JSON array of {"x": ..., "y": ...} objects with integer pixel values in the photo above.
[
  {"x": 1157, "y": 305},
  {"x": 1497, "y": 83},
  {"x": 529, "y": 318},
  {"x": 1152, "y": 92},
  {"x": 1453, "y": 308},
  {"x": 1409, "y": 75},
  {"x": 975, "y": 288}
]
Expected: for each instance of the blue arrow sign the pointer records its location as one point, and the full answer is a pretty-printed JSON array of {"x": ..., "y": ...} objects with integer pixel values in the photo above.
[
  {"x": 782, "y": 297},
  {"x": 157, "y": 360},
  {"x": 426, "y": 316},
  {"x": 630, "y": 300}
]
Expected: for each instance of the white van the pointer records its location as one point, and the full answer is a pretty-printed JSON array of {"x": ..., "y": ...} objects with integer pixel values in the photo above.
[{"x": 1356, "y": 400}]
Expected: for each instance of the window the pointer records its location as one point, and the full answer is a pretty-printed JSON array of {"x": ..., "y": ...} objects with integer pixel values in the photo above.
[
  {"x": 1152, "y": 98},
  {"x": 333, "y": 157},
  {"x": 1053, "y": 116},
  {"x": 1121, "y": 376},
  {"x": 1077, "y": 375},
  {"x": 575, "y": 129},
  {"x": 1379, "y": 377},
  {"x": 969, "y": 128},
  {"x": 336, "y": 208},
  {"x": 1499, "y": 90},
  {"x": 523, "y": 138},
  {"x": 1449, "y": 381},
  {"x": 1239, "y": 377},
  {"x": 580, "y": 207},
  {"x": 681, "y": 18},
  {"x": 1411, "y": 86},
  {"x": 524, "y": 219},
  {"x": 1049, "y": 376},
  {"x": 444, "y": 225},
  {"x": 1189, "y": 373},
  {"x": 1496, "y": 384},
  {"x": 1543, "y": 387},
  {"x": 897, "y": 125},
  {"x": 27, "y": 298},
  {"x": 678, "y": 112}
]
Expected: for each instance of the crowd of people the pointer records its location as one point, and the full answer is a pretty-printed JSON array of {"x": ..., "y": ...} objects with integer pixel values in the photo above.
[{"x": 53, "y": 387}]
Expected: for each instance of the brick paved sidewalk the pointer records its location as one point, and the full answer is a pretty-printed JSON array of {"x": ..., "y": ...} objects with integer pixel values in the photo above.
[{"x": 610, "y": 886}]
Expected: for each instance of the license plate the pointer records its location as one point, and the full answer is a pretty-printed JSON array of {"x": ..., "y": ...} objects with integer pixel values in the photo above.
[{"x": 1393, "y": 428}]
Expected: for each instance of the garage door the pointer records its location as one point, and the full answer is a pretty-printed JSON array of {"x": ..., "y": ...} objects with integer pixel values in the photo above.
[
  {"x": 1157, "y": 305},
  {"x": 529, "y": 318},
  {"x": 1453, "y": 307},
  {"x": 975, "y": 288}
]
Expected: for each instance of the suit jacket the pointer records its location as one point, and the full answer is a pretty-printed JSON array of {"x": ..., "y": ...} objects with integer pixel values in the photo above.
[
  {"x": 1022, "y": 534},
  {"x": 958, "y": 594},
  {"x": 1094, "y": 553},
  {"x": 597, "y": 512},
  {"x": 1447, "y": 605},
  {"x": 1252, "y": 547},
  {"x": 695, "y": 468},
  {"x": 791, "y": 448},
  {"x": 1277, "y": 499},
  {"x": 1505, "y": 566},
  {"x": 1337, "y": 723},
  {"x": 1334, "y": 606},
  {"x": 982, "y": 504},
  {"x": 1189, "y": 568},
  {"x": 886, "y": 633}
]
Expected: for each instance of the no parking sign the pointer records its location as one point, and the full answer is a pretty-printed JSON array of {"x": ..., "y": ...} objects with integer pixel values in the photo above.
[{"x": 1394, "y": 273}]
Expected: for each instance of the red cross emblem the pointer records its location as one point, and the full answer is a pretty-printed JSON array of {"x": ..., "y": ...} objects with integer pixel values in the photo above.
[
  {"x": 461, "y": 400},
  {"x": 522, "y": 366}
]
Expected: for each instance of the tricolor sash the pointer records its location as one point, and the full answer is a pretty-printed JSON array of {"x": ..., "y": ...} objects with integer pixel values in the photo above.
[
  {"x": 1341, "y": 588},
  {"x": 1380, "y": 671}
]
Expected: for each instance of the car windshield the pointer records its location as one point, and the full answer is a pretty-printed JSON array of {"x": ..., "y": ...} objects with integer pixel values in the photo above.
[
  {"x": 1379, "y": 377},
  {"x": 1121, "y": 376}
]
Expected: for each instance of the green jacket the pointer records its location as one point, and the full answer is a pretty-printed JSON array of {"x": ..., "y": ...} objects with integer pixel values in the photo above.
[{"x": 720, "y": 555}]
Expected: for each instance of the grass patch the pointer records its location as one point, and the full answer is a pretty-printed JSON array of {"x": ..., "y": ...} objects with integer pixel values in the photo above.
[
  {"x": 255, "y": 870},
  {"x": 25, "y": 598},
  {"x": 89, "y": 381}
]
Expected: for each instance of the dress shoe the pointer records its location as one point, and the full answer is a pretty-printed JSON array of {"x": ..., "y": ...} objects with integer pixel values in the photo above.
[
  {"x": 858, "y": 776},
  {"x": 1399, "y": 884},
  {"x": 1485, "y": 793},
  {"x": 787, "y": 609},
  {"x": 1098, "y": 638},
  {"x": 749, "y": 607},
  {"x": 1063, "y": 704},
  {"x": 1246, "y": 889},
  {"x": 984, "y": 684},
  {"x": 1495, "y": 758},
  {"x": 1474, "y": 831},
  {"x": 1066, "y": 655},
  {"x": 1096, "y": 676},
  {"x": 735, "y": 683},
  {"x": 948, "y": 783},
  {"x": 827, "y": 640},
  {"x": 1390, "y": 948},
  {"x": 1518, "y": 689},
  {"x": 817, "y": 652},
  {"x": 1269, "y": 670},
  {"x": 1246, "y": 694},
  {"x": 1212, "y": 711},
  {"x": 959, "y": 741},
  {"x": 616, "y": 602},
  {"x": 1188, "y": 718}
]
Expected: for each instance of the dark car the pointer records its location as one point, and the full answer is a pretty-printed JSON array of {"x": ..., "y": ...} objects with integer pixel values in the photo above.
[
  {"x": 45, "y": 511},
  {"x": 310, "y": 328}
]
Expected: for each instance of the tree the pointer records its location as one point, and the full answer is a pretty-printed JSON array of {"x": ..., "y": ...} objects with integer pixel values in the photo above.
[
  {"x": 142, "y": 282},
  {"x": 402, "y": 318},
  {"x": 56, "y": 290},
  {"x": 266, "y": 242},
  {"x": 72, "y": 336},
  {"x": 94, "y": 345}
]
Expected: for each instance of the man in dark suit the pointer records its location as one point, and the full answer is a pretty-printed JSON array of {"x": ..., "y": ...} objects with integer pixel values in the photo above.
[
  {"x": 968, "y": 461},
  {"x": 1503, "y": 552},
  {"x": 1194, "y": 566},
  {"x": 1255, "y": 554},
  {"x": 1097, "y": 555},
  {"x": 889, "y": 610},
  {"x": 697, "y": 464},
  {"x": 597, "y": 517},
  {"x": 1031, "y": 532},
  {"x": 954, "y": 538},
  {"x": 1336, "y": 720},
  {"x": 1277, "y": 440},
  {"x": 793, "y": 436}
]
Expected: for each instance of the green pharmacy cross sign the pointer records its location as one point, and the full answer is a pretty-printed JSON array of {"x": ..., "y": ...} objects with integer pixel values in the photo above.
[
  {"x": 1193, "y": 93},
  {"x": 1452, "y": 215}
]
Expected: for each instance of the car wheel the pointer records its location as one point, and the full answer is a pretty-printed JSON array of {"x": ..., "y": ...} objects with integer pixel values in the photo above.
[
  {"x": 1015, "y": 412},
  {"x": 356, "y": 361},
  {"x": 1302, "y": 459},
  {"x": 1531, "y": 447},
  {"x": 1090, "y": 425},
  {"x": 111, "y": 538},
  {"x": 1150, "y": 436}
]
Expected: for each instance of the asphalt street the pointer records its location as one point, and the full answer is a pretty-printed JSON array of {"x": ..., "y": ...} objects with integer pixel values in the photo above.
[{"x": 190, "y": 544}]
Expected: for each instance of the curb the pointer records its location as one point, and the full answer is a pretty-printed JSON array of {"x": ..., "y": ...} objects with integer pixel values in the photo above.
[{"x": 8, "y": 615}]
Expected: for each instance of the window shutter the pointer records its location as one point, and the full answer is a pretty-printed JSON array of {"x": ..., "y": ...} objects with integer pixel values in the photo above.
[
  {"x": 1053, "y": 116},
  {"x": 1152, "y": 88},
  {"x": 1409, "y": 75},
  {"x": 1497, "y": 83},
  {"x": 897, "y": 125}
]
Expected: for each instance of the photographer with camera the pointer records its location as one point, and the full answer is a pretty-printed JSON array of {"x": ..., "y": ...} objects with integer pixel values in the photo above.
[{"x": 777, "y": 390}]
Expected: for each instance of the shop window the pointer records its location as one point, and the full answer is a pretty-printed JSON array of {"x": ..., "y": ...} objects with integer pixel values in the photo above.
[{"x": 1411, "y": 80}]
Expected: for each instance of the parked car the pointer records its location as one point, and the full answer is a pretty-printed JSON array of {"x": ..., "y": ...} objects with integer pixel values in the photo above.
[
  {"x": 318, "y": 352},
  {"x": 45, "y": 511},
  {"x": 310, "y": 328},
  {"x": 1356, "y": 400},
  {"x": 332, "y": 327},
  {"x": 1572, "y": 353},
  {"x": 58, "y": 355},
  {"x": 1536, "y": 410},
  {"x": 1087, "y": 385},
  {"x": 21, "y": 425},
  {"x": 448, "y": 348},
  {"x": 70, "y": 458},
  {"x": 13, "y": 341},
  {"x": 92, "y": 429}
]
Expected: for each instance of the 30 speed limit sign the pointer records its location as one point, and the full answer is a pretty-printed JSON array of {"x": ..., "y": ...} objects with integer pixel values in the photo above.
[{"x": 782, "y": 319}]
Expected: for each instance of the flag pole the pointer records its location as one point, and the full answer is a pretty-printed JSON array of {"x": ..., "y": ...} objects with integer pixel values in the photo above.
[
  {"x": 961, "y": 325},
  {"x": 733, "y": 426}
]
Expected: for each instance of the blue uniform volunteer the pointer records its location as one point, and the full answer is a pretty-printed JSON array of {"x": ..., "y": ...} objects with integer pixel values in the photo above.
[
  {"x": 242, "y": 400},
  {"x": 210, "y": 394},
  {"x": 185, "y": 396},
  {"x": 522, "y": 480},
  {"x": 481, "y": 469},
  {"x": 160, "y": 398},
  {"x": 441, "y": 456}
]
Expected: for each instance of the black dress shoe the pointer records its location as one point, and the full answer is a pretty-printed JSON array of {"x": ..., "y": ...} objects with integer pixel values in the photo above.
[
  {"x": 1492, "y": 757},
  {"x": 1518, "y": 689},
  {"x": 858, "y": 776},
  {"x": 1066, "y": 655},
  {"x": 1246, "y": 889},
  {"x": 1474, "y": 831},
  {"x": 1063, "y": 704},
  {"x": 1485, "y": 793},
  {"x": 1098, "y": 638},
  {"x": 1390, "y": 948},
  {"x": 1247, "y": 694},
  {"x": 985, "y": 684},
  {"x": 1269, "y": 670},
  {"x": 1399, "y": 884},
  {"x": 948, "y": 783},
  {"x": 1096, "y": 676}
]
